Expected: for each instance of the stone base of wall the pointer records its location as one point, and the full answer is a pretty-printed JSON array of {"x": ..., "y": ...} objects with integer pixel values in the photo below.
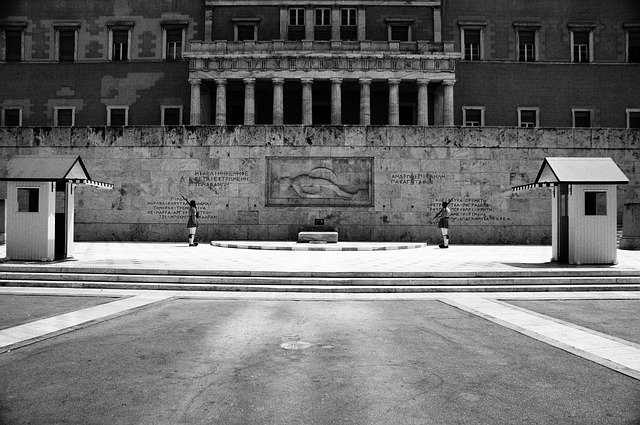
[{"x": 270, "y": 182}]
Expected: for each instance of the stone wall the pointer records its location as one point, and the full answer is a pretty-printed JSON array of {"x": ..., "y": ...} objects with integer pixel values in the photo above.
[{"x": 266, "y": 182}]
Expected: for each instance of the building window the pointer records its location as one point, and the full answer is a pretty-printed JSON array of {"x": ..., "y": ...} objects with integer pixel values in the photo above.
[
  {"x": 581, "y": 117},
  {"x": 399, "y": 29},
  {"x": 11, "y": 117},
  {"x": 296, "y": 24},
  {"x": 528, "y": 117},
  {"x": 581, "y": 46},
  {"x": 633, "y": 118},
  {"x": 13, "y": 45},
  {"x": 64, "y": 116},
  {"x": 527, "y": 45},
  {"x": 633, "y": 46},
  {"x": 171, "y": 115},
  {"x": 348, "y": 24},
  {"x": 595, "y": 203},
  {"x": 173, "y": 45},
  {"x": 471, "y": 41},
  {"x": 322, "y": 27},
  {"x": 117, "y": 115},
  {"x": 28, "y": 199},
  {"x": 473, "y": 116},
  {"x": 119, "y": 44},
  {"x": 66, "y": 44},
  {"x": 246, "y": 32}
]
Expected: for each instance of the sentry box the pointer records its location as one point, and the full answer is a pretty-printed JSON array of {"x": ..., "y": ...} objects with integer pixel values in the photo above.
[
  {"x": 39, "y": 205},
  {"x": 584, "y": 208}
]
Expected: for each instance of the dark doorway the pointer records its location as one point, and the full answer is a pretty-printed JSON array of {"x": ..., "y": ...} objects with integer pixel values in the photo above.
[
  {"x": 379, "y": 103},
  {"x": 408, "y": 108},
  {"x": 264, "y": 102},
  {"x": 235, "y": 102},
  {"x": 60, "y": 232},
  {"x": 350, "y": 102},
  {"x": 321, "y": 95},
  {"x": 292, "y": 98},
  {"x": 563, "y": 223}
]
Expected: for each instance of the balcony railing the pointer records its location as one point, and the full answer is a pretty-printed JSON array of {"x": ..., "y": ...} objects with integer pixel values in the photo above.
[{"x": 199, "y": 48}]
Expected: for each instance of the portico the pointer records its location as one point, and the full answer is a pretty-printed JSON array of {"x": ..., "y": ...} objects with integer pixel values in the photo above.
[{"x": 350, "y": 88}]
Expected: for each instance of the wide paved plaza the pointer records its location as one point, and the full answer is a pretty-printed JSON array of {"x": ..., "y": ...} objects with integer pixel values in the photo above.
[{"x": 131, "y": 356}]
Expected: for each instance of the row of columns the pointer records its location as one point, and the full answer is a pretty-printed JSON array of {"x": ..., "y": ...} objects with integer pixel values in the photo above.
[{"x": 307, "y": 101}]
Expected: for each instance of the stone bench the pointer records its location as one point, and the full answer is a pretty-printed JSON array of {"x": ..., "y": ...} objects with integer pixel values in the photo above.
[{"x": 318, "y": 237}]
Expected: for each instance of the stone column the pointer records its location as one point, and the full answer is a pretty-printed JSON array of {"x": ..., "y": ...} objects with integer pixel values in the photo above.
[
  {"x": 394, "y": 101},
  {"x": 284, "y": 23},
  {"x": 208, "y": 23},
  {"x": 365, "y": 101},
  {"x": 196, "y": 84},
  {"x": 335, "y": 23},
  {"x": 307, "y": 101},
  {"x": 336, "y": 101},
  {"x": 448, "y": 102},
  {"x": 278, "y": 101},
  {"x": 309, "y": 23},
  {"x": 423, "y": 102},
  {"x": 362, "y": 30},
  {"x": 221, "y": 101},
  {"x": 249, "y": 101},
  {"x": 437, "y": 25}
]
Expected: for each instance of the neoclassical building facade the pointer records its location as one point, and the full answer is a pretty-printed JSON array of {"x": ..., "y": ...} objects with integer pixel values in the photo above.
[{"x": 322, "y": 63}]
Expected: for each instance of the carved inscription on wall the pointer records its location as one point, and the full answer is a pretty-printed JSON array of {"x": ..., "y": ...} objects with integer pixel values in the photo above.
[
  {"x": 172, "y": 210},
  {"x": 217, "y": 178},
  {"x": 471, "y": 210},
  {"x": 411, "y": 178},
  {"x": 319, "y": 181}
]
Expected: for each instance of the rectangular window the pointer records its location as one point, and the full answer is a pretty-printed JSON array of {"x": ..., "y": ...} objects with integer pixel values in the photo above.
[
  {"x": 581, "y": 46},
  {"x": 13, "y": 45},
  {"x": 323, "y": 17},
  {"x": 595, "y": 203},
  {"x": 120, "y": 46},
  {"x": 633, "y": 43},
  {"x": 246, "y": 32},
  {"x": 171, "y": 115},
  {"x": 527, "y": 117},
  {"x": 64, "y": 117},
  {"x": 117, "y": 116},
  {"x": 471, "y": 44},
  {"x": 296, "y": 30},
  {"x": 581, "y": 118},
  {"x": 174, "y": 44},
  {"x": 348, "y": 24},
  {"x": 526, "y": 45},
  {"x": 11, "y": 117},
  {"x": 473, "y": 117},
  {"x": 28, "y": 199},
  {"x": 633, "y": 118},
  {"x": 399, "y": 33},
  {"x": 66, "y": 45},
  {"x": 322, "y": 28}
]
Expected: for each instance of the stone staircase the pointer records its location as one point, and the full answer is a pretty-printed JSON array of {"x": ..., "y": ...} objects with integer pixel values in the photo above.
[{"x": 319, "y": 282}]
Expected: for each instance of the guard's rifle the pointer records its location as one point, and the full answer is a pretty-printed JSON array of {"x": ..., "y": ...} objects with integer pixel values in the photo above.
[
  {"x": 185, "y": 199},
  {"x": 440, "y": 212}
]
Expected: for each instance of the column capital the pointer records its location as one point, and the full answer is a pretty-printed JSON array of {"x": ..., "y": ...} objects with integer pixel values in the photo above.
[
  {"x": 448, "y": 82},
  {"x": 306, "y": 80},
  {"x": 249, "y": 80},
  {"x": 336, "y": 80},
  {"x": 423, "y": 81},
  {"x": 195, "y": 81},
  {"x": 277, "y": 80},
  {"x": 394, "y": 81},
  {"x": 365, "y": 81},
  {"x": 220, "y": 81}
]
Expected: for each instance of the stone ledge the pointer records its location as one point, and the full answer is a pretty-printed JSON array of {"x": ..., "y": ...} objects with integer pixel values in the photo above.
[{"x": 318, "y": 237}]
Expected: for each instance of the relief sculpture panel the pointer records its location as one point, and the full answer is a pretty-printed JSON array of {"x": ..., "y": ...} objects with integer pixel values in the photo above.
[{"x": 319, "y": 181}]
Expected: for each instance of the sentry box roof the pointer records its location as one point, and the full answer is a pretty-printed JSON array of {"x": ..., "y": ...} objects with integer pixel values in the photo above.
[
  {"x": 51, "y": 168},
  {"x": 576, "y": 171}
]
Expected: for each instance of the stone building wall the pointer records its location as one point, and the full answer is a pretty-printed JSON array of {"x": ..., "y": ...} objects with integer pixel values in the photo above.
[{"x": 372, "y": 183}]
